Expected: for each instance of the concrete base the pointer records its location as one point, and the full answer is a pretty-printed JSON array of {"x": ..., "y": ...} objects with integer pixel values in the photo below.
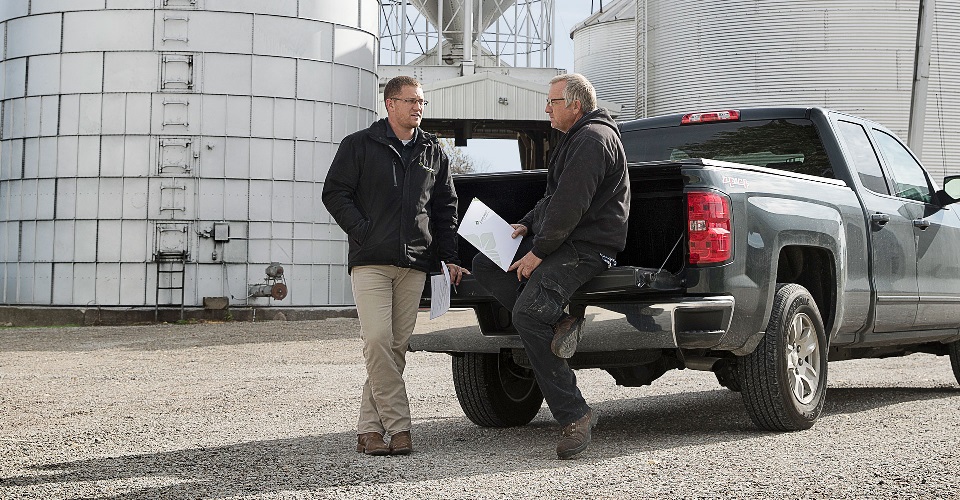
[{"x": 88, "y": 316}]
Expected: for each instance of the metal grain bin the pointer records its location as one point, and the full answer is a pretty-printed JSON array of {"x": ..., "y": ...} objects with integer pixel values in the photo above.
[
  {"x": 604, "y": 52},
  {"x": 153, "y": 148},
  {"x": 849, "y": 55}
]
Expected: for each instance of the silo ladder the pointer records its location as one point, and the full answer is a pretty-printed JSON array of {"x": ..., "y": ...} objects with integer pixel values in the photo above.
[{"x": 171, "y": 268}]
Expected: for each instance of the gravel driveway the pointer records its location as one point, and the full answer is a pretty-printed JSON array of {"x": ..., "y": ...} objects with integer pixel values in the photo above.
[{"x": 268, "y": 410}]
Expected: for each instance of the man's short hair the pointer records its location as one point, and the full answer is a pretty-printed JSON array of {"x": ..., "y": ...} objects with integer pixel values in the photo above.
[
  {"x": 396, "y": 84},
  {"x": 578, "y": 89}
]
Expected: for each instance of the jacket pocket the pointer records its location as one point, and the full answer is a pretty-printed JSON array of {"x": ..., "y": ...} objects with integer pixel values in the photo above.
[{"x": 359, "y": 232}]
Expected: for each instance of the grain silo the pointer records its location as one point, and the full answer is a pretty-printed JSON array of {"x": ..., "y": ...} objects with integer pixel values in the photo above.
[
  {"x": 853, "y": 56},
  {"x": 160, "y": 152},
  {"x": 604, "y": 52}
]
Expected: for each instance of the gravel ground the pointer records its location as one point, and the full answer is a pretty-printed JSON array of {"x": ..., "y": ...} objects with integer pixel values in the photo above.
[{"x": 268, "y": 410}]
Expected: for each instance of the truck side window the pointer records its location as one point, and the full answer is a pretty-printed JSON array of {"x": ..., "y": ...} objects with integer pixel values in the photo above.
[
  {"x": 863, "y": 156},
  {"x": 908, "y": 175}
]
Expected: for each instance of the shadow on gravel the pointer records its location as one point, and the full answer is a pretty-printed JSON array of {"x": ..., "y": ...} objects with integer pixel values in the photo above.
[
  {"x": 845, "y": 400},
  {"x": 445, "y": 448}
]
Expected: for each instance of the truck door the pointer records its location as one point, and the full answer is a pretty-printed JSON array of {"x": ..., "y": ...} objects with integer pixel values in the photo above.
[
  {"x": 893, "y": 249},
  {"x": 937, "y": 231}
]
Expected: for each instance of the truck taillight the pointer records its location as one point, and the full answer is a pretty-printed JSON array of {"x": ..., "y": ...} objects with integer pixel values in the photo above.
[
  {"x": 726, "y": 115},
  {"x": 708, "y": 228}
]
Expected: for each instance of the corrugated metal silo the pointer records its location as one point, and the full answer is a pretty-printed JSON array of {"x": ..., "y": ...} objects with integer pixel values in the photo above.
[
  {"x": 145, "y": 137},
  {"x": 848, "y": 55},
  {"x": 604, "y": 52}
]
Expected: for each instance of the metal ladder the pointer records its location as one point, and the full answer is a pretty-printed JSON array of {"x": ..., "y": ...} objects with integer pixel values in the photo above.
[{"x": 171, "y": 269}]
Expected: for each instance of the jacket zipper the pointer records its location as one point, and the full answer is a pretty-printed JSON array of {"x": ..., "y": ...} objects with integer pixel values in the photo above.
[{"x": 393, "y": 164}]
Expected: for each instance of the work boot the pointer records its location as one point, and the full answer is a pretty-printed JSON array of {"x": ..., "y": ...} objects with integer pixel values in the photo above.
[
  {"x": 576, "y": 436},
  {"x": 401, "y": 444},
  {"x": 566, "y": 336},
  {"x": 372, "y": 443}
]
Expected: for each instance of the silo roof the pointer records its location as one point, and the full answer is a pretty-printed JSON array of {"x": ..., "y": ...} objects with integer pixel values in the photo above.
[{"x": 618, "y": 10}]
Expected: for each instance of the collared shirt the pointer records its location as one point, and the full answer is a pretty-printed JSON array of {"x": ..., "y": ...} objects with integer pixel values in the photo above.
[{"x": 406, "y": 150}]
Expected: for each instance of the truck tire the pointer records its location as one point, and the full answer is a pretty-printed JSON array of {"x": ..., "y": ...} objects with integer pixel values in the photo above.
[
  {"x": 955, "y": 359},
  {"x": 784, "y": 380},
  {"x": 494, "y": 391}
]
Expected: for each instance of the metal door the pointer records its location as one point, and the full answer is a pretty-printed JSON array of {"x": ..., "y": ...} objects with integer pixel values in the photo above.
[
  {"x": 937, "y": 231},
  {"x": 893, "y": 253}
]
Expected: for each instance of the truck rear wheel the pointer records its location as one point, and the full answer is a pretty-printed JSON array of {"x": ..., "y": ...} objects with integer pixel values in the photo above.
[
  {"x": 494, "y": 391},
  {"x": 955, "y": 359},
  {"x": 784, "y": 380}
]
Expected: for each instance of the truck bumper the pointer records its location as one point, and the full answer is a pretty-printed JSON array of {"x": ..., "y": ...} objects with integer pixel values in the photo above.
[{"x": 687, "y": 323}]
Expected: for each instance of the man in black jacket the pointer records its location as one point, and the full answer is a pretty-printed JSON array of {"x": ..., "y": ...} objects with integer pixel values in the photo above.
[
  {"x": 571, "y": 235},
  {"x": 389, "y": 188}
]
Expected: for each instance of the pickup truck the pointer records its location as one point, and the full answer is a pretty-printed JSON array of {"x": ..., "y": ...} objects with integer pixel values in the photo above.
[{"x": 761, "y": 244}]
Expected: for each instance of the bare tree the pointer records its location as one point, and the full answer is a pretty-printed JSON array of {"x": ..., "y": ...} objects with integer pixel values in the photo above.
[{"x": 461, "y": 162}]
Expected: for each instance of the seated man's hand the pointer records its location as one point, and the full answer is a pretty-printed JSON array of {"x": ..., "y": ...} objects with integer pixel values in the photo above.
[
  {"x": 525, "y": 265},
  {"x": 518, "y": 231}
]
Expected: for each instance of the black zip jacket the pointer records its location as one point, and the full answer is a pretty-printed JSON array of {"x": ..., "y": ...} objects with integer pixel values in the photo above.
[
  {"x": 588, "y": 190},
  {"x": 397, "y": 214}
]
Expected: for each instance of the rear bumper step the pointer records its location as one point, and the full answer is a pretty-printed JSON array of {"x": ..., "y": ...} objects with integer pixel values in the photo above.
[{"x": 684, "y": 322}]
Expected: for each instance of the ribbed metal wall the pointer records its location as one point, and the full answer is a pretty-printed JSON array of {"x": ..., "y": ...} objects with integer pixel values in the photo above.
[
  {"x": 941, "y": 147},
  {"x": 847, "y": 55},
  {"x": 131, "y": 126},
  {"x": 851, "y": 55}
]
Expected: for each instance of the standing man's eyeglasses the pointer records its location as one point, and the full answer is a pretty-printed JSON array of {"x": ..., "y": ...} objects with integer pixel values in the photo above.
[
  {"x": 411, "y": 102},
  {"x": 550, "y": 101}
]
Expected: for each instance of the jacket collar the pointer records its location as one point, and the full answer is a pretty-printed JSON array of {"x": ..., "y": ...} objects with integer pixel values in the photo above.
[{"x": 381, "y": 131}]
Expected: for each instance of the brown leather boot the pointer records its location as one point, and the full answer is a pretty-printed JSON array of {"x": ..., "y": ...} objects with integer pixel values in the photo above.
[
  {"x": 576, "y": 436},
  {"x": 401, "y": 444},
  {"x": 372, "y": 443}
]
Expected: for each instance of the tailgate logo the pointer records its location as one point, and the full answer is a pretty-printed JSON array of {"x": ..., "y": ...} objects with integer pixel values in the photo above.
[{"x": 735, "y": 181}]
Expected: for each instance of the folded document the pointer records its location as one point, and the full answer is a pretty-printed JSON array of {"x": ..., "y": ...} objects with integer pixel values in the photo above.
[{"x": 489, "y": 233}]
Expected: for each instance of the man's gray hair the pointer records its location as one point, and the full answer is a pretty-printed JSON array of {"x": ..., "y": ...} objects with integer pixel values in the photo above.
[{"x": 578, "y": 89}]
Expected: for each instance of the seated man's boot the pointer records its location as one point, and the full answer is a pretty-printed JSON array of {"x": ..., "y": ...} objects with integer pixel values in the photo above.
[
  {"x": 401, "y": 443},
  {"x": 576, "y": 436},
  {"x": 566, "y": 336},
  {"x": 372, "y": 443}
]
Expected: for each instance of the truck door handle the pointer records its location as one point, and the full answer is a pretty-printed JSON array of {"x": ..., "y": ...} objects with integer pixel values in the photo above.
[
  {"x": 879, "y": 219},
  {"x": 921, "y": 223}
]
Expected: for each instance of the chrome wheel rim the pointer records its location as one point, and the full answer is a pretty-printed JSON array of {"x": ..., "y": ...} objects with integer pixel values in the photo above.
[{"x": 803, "y": 358}]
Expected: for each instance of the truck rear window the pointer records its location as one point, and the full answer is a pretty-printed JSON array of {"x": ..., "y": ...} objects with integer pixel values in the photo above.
[{"x": 787, "y": 144}]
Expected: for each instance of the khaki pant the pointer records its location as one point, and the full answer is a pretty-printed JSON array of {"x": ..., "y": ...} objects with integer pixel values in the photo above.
[{"x": 387, "y": 300}]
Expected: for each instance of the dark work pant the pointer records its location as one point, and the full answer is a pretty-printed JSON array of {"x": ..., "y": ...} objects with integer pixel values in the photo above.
[{"x": 536, "y": 306}]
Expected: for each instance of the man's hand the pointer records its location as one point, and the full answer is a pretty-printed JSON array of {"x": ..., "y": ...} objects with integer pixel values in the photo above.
[
  {"x": 456, "y": 273},
  {"x": 518, "y": 230},
  {"x": 525, "y": 265}
]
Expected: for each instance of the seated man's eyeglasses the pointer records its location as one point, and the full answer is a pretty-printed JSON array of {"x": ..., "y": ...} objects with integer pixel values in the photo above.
[
  {"x": 551, "y": 101},
  {"x": 411, "y": 102}
]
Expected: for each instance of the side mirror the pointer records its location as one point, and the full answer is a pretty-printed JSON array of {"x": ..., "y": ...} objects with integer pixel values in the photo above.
[{"x": 951, "y": 190}]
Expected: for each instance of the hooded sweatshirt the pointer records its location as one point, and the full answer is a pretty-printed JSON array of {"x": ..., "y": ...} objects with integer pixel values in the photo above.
[{"x": 588, "y": 190}]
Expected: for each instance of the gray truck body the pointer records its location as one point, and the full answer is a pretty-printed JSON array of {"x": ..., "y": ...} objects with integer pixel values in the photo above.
[{"x": 837, "y": 204}]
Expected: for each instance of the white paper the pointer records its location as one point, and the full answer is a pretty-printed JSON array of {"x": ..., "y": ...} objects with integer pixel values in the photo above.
[
  {"x": 440, "y": 292},
  {"x": 489, "y": 233}
]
